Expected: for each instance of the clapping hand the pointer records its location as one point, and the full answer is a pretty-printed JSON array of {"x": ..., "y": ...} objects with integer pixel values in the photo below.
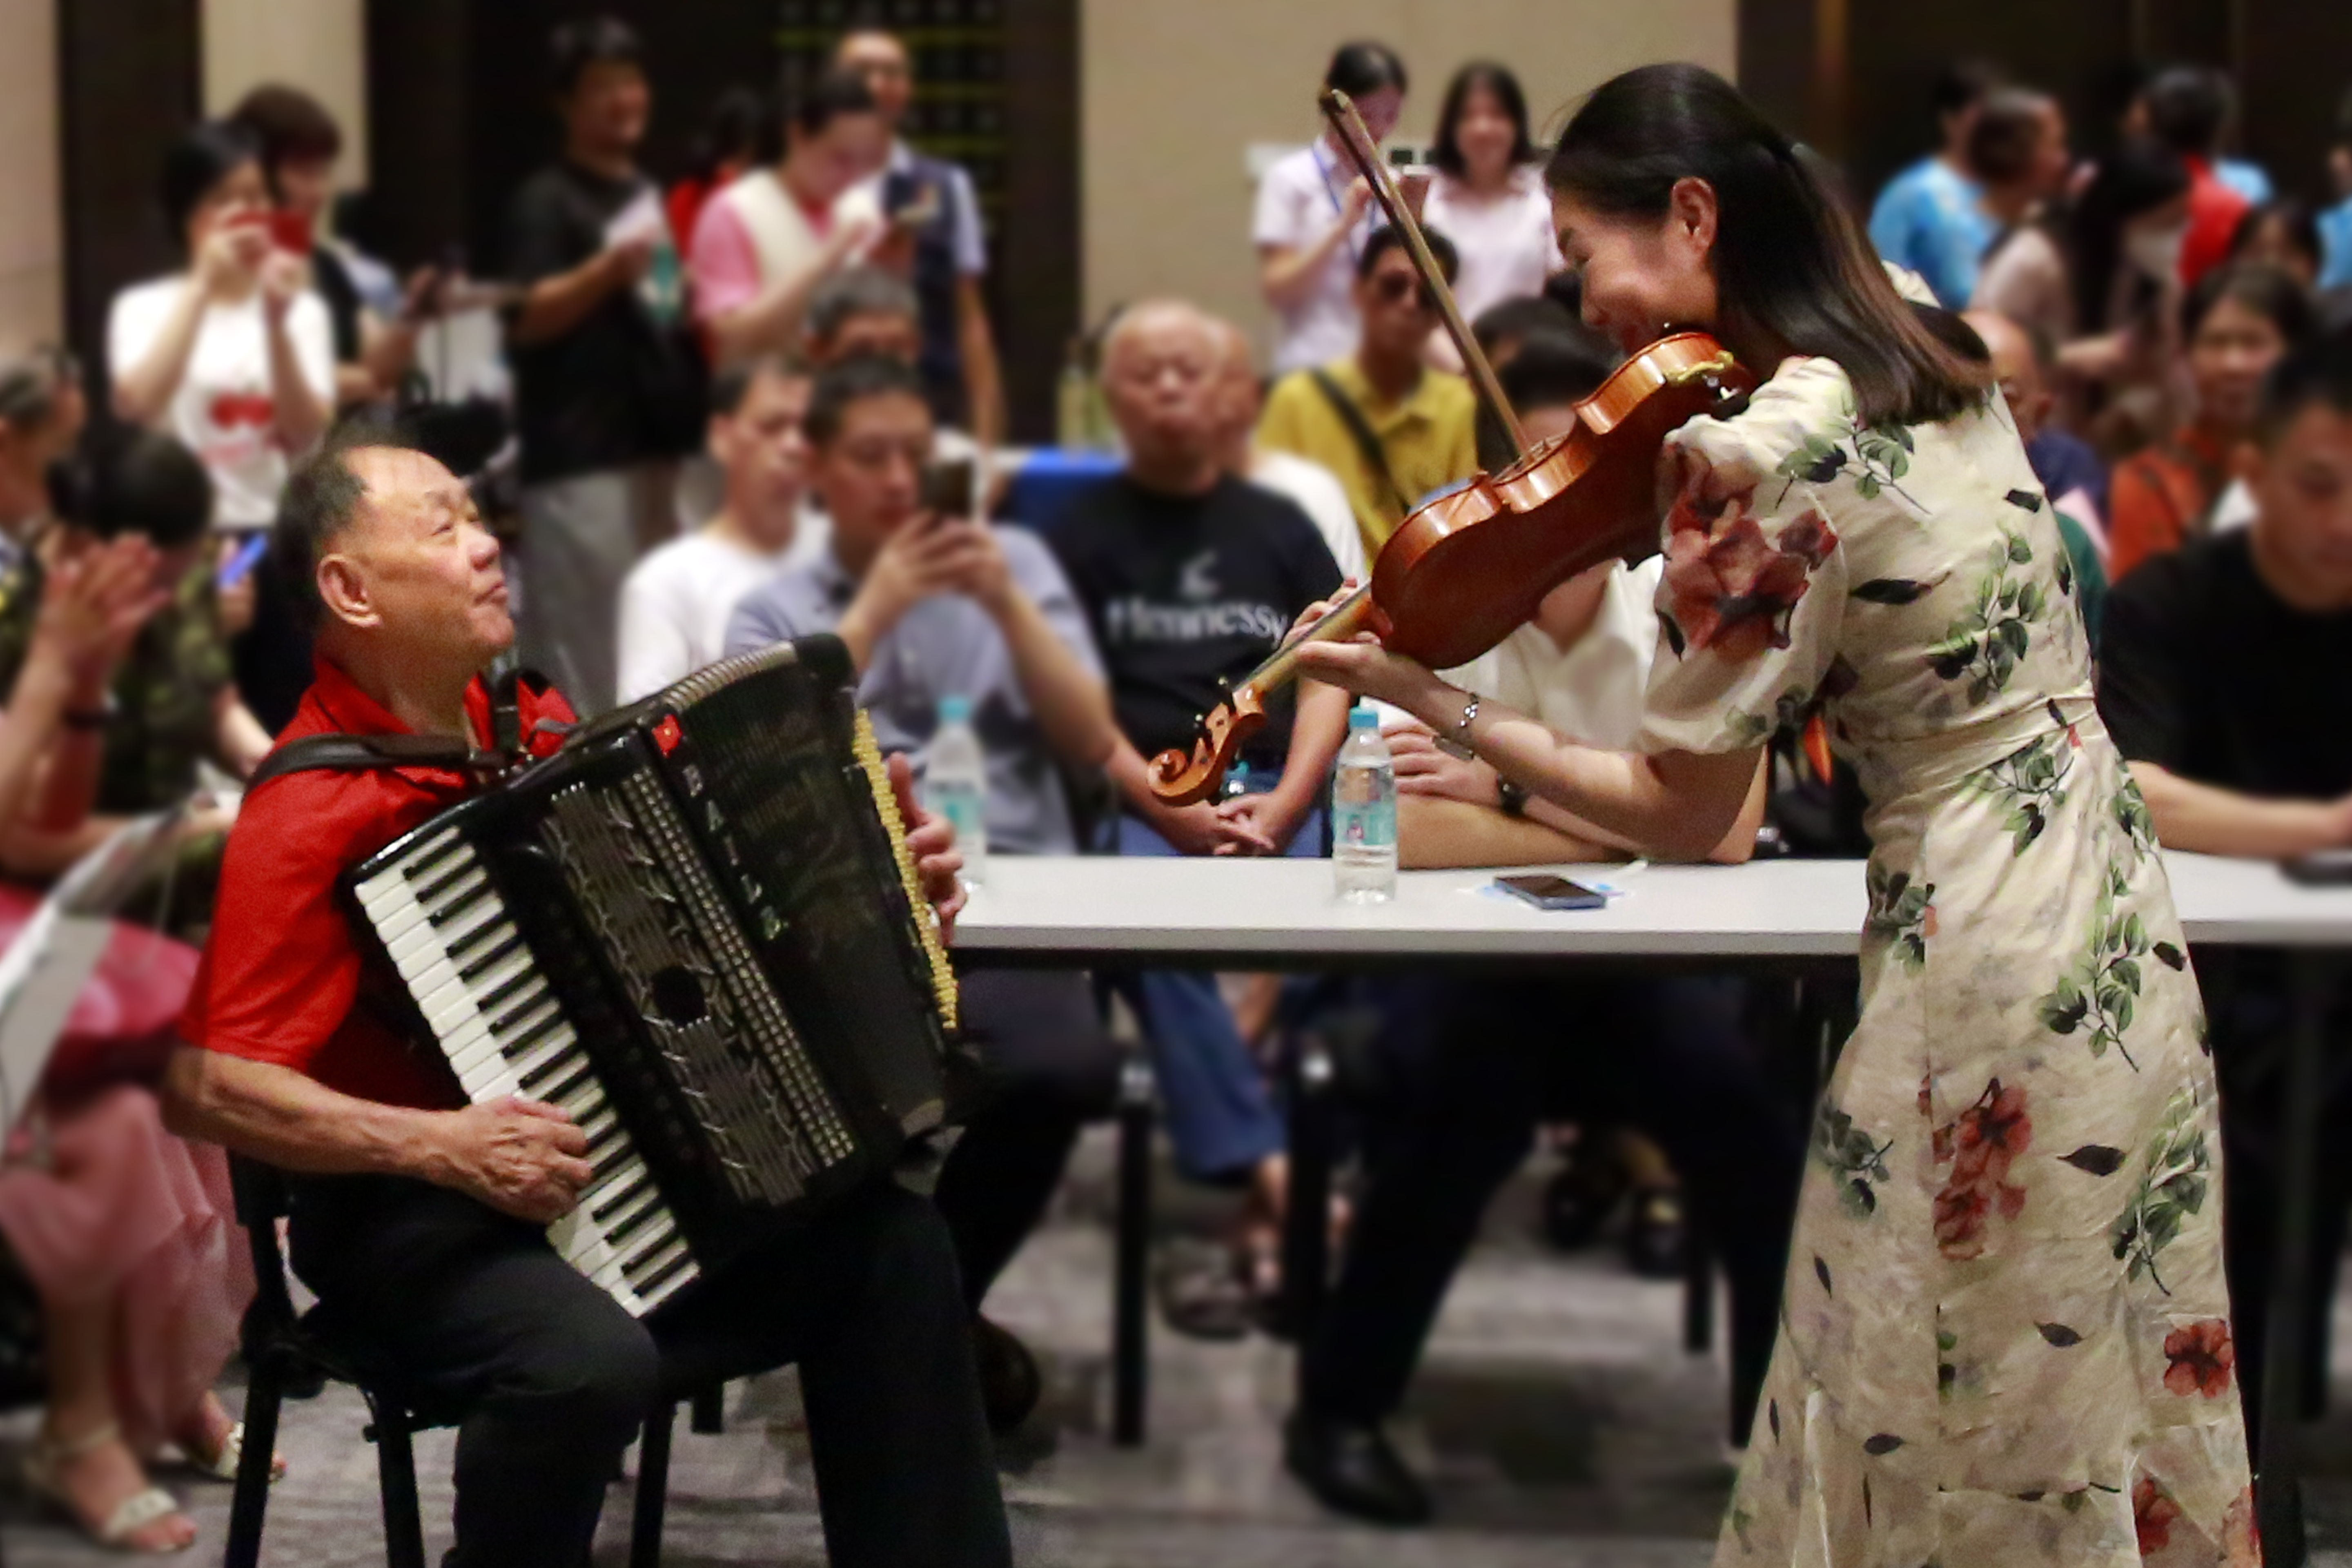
[
  {"x": 95, "y": 599},
  {"x": 931, "y": 839}
]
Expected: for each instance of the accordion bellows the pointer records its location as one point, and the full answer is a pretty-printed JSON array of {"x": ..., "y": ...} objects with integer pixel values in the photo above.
[{"x": 698, "y": 927}]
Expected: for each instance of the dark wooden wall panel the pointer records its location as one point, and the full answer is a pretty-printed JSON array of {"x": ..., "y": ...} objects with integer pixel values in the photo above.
[
  {"x": 129, "y": 76},
  {"x": 1036, "y": 287}
]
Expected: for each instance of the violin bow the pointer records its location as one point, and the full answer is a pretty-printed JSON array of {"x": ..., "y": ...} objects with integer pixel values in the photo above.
[{"x": 1340, "y": 111}]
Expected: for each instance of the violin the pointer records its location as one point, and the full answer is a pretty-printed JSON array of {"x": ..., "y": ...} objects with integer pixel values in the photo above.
[{"x": 1464, "y": 572}]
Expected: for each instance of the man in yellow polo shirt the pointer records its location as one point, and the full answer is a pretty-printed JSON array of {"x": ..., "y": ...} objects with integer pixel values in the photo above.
[{"x": 1391, "y": 427}]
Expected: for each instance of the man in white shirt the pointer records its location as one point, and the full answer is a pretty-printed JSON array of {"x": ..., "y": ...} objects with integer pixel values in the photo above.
[
  {"x": 675, "y": 603},
  {"x": 1314, "y": 488},
  {"x": 1470, "y": 1065}
]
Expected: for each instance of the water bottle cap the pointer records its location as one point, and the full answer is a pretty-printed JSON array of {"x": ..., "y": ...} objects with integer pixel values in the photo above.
[
  {"x": 1363, "y": 716},
  {"x": 955, "y": 709}
]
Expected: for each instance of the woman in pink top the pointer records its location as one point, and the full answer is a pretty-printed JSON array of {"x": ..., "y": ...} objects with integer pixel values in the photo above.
[{"x": 764, "y": 244}]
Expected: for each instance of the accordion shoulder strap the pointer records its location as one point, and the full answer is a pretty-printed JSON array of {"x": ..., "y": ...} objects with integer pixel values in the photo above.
[
  {"x": 358, "y": 754},
  {"x": 348, "y": 754}
]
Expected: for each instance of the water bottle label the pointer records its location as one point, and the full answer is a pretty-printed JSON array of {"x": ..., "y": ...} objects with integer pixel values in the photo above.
[
  {"x": 1365, "y": 827},
  {"x": 967, "y": 813}
]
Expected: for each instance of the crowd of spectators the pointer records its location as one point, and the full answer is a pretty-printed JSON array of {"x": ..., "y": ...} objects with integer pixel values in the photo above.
[{"x": 737, "y": 405}]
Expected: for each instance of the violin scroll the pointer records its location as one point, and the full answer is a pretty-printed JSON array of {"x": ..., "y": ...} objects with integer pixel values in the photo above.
[{"x": 1187, "y": 778}]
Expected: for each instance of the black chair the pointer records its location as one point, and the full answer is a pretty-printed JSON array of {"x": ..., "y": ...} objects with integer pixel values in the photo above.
[{"x": 285, "y": 1352}]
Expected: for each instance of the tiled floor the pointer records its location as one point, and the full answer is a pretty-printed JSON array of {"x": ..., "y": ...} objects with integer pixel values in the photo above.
[{"x": 1559, "y": 1416}]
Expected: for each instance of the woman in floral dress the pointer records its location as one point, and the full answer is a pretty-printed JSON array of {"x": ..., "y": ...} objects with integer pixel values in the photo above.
[{"x": 2005, "y": 1336}]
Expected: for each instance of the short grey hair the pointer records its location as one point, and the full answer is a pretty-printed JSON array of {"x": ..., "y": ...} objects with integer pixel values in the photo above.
[{"x": 859, "y": 291}]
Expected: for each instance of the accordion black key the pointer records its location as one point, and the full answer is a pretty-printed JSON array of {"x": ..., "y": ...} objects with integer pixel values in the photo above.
[{"x": 698, "y": 928}]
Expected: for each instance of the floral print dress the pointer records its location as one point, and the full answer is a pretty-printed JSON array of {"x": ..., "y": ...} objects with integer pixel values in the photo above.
[{"x": 2005, "y": 1336}]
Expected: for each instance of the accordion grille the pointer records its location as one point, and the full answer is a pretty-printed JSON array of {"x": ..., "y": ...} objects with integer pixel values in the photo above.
[
  {"x": 643, "y": 889},
  {"x": 868, "y": 752}
]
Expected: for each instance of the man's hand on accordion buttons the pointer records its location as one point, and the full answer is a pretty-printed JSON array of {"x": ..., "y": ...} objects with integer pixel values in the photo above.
[
  {"x": 932, "y": 840},
  {"x": 518, "y": 1156}
]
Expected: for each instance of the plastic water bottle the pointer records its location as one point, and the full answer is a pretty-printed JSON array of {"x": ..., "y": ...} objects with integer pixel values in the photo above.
[
  {"x": 1364, "y": 814},
  {"x": 664, "y": 289},
  {"x": 955, "y": 784}
]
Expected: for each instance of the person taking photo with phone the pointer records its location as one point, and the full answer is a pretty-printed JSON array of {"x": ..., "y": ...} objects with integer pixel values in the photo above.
[
  {"x": 764, "y": 245},
  {"x": 936, "y": 602},
  {"x": 233, "y": 356}
]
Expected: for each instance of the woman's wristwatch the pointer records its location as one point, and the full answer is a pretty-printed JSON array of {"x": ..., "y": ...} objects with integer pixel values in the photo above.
[
  {"x": 1457, "y": 744},
  {"x": 1509, "y": 797}
]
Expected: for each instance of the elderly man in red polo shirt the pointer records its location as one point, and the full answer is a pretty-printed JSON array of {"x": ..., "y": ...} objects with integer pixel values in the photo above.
[{"x": 419, "y": 1219}]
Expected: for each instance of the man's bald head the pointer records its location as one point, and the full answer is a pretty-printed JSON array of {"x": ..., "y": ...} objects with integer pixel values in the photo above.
[
  {"x": 2016, "y": 366},
  {"x": 1162, "y": 370}
]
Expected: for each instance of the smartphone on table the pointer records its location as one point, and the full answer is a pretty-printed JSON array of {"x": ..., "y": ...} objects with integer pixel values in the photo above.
[{"x": 1547, "y": 891}]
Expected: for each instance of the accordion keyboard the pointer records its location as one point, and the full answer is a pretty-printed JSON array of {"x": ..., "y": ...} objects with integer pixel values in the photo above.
[{"x": 456, "y": 945}]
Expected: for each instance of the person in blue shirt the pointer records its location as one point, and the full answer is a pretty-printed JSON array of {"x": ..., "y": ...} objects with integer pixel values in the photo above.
[
  {"x": 2335, "y": 222},
  {"x": 1931, "y": 218}
]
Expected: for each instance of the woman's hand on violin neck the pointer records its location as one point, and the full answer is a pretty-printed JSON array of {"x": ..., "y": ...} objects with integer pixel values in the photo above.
[
  {"x": 1368, "y": 670},
  {"x": 1320, "y": 608}
]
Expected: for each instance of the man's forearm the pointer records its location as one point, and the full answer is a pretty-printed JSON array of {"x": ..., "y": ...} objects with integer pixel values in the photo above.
[
  {"x": 1316, "y": 735},
  {"x": 279, "y": 1115},
  {"x": 553, "y": 306},
  {"x": 2210, "y": 820},
  {"x": 1073, "y": 706}
]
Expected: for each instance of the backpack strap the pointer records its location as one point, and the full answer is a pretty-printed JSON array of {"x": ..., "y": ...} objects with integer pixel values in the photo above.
[
  {"x": 360, "y": 753},
  {"x": 1360, "y": 430}
]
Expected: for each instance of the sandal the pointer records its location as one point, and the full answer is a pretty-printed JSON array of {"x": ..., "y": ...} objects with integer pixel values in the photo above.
[
  {"x": 223, "y": 1465},
  {"x": 132, "y": 1514}
]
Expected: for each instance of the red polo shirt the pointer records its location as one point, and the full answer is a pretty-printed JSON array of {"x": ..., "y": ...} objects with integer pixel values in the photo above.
[{"x": 285, "y": 975}]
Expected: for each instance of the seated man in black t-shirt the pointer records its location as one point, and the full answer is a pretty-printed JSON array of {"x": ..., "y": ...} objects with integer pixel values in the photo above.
[
  {"x": 1190, "y": 578},
  {"x": 2221, "y": 676}
]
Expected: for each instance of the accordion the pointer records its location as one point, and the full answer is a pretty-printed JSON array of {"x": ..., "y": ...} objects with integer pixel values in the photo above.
[{"x": 698, "y": 928}]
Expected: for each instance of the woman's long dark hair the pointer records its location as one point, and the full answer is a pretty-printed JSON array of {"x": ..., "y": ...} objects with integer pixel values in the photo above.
[
  {"x": 2137, "y": 177},
  {"x": 1446, "y": 153},
  {"x": 1793, "y": 266}
]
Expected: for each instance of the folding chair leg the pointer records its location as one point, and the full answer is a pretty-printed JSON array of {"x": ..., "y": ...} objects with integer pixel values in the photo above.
[
  {"x": 1131, "y": 1319},
  {"x": 395, "y": 1465},
  {"x": 710, "y": 1410},
  {"x": 653, "y": 1487},
  {"x": 1698, "y": 1292},
  {"x": 251, "y": 1498}
]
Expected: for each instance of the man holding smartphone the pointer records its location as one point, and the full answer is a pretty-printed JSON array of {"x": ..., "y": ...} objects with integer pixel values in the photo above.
[{"x": 934, "y": 602}]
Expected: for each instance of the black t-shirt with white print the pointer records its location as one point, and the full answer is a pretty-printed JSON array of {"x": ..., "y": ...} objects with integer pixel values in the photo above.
[{"x": 1187, "y": 593}]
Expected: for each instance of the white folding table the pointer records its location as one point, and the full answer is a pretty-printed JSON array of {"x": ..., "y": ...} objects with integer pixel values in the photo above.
[{"x": 1782, "y": 917}]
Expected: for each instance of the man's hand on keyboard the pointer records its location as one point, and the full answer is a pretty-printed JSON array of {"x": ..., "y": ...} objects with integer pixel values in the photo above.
[{"x": 518, "y": 1156}]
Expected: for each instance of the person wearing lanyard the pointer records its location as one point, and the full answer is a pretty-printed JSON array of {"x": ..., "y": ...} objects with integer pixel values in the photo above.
[{"x": 1312, "y": 219}]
